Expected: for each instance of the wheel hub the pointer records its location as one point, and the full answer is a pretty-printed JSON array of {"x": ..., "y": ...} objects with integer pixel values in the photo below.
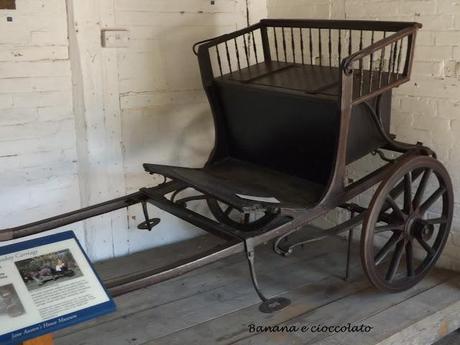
[
  {"x": 417, "y": 227},
  {"x": 411, "y": 227}
]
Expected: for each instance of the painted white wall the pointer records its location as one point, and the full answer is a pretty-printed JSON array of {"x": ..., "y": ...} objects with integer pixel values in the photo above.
[
  {"x": 38, "y": 158},
  {"x": 165, "y": 115},
  {"x": 427, "y": 108},
  {"x": 77, "y": 120}
]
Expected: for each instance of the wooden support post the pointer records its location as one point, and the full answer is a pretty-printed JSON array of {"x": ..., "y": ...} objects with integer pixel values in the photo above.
[{"x": 43, "y": 340}]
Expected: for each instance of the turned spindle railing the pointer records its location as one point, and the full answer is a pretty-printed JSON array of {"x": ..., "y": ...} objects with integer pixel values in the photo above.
[{"x": 378, "y": 54}]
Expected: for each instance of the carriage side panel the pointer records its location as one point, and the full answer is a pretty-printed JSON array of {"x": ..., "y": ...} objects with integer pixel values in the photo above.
[
  {"x": 291, "y": 134},
  {"x": 364, "y": 137}
]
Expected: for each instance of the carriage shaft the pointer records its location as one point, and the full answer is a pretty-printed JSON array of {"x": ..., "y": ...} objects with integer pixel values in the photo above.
[
  {"x": 70, "y": 217},
  {"x": 120, "y": 286}
]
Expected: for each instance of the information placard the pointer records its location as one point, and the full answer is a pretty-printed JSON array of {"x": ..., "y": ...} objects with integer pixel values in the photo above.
[{"x": 47, "y": 284}]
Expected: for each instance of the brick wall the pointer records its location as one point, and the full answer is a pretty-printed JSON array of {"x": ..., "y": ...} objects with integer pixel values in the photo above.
[
  {"x": 427, "y": 108},
  {"x": 37, "y": 138},
  {"x": 77, "y": 120},
  {"x": 165, "y": 115}
]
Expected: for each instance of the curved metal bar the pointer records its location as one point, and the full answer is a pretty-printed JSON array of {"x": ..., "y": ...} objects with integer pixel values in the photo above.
[
  {"x": 393, "y": 144},
  {"x": 195, "y": 51},
  {"x": 382, "y": 156},
  {"x": 174, "y": 194},
  {"x": 320, "y": 234},
  {"x": 191, "y": 198}
]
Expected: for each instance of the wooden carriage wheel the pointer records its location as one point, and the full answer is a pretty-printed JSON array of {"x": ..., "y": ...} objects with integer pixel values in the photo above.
[
  {"x": 230, "y": 216},
  {"x": 407, "y": 224}
]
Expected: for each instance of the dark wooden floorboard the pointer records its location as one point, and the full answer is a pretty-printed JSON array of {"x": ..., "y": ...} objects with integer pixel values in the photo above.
[
  {"x": 216, "y": 304},
  {"x": 208, "y": 287},
  {"x": 354, "y": 308}
]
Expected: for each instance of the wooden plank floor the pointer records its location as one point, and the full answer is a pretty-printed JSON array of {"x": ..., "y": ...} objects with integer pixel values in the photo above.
[{"x": 217, "y": 304}]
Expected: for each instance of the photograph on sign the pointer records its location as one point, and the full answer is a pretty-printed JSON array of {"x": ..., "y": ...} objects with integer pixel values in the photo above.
[{"x": 47, "y": 269}]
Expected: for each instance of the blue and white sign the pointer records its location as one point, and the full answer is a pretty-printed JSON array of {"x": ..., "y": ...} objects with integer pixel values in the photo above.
[{"x": 47, "y": 284}]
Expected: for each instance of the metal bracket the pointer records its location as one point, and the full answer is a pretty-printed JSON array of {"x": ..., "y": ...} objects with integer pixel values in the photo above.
[
  {"x": 314, "y": 234},
  {"x": 149, "y": 223},
  {"x": 268, "y": 305},
  {"x": 254, "y": 208},
  {"x": 382, "y": 156}
]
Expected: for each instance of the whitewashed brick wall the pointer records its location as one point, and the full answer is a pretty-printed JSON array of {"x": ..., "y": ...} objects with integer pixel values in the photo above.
[
  {"x": 38, "y": 161},
  {"x": 78, "y": 120},
  {"x": 427, "y": 108},
  {"x": 75, "y": 127},
  {"x": 165, "y": 115}
]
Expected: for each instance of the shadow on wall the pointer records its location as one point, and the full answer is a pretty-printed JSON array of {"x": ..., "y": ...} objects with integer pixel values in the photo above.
[
  {"x": 176, "y": 134},
  {"x": 195, "y": 140},
  {"x": 165, "y": 119}
]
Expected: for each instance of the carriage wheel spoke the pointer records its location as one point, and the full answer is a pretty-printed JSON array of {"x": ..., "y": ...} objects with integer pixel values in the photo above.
[
  {"x": 388, "y": 227},
  {"x": 394, "y": 206},
  {"x": 433, "y": 221},
  {"x": 410, "y": 259},
  {"x": 399, "y": 188},
  {"x": 425, "y": 246},
  {"x": 421, "y": 188},
  {"x": 432, "y": 199},
  {"x": 395, "y": 261},
  {"x": 385, "y": 217},
  {"x": 394, "y": 193},
  {"x": 408, "y": 193},
  {"x": 383, "y": 252}
]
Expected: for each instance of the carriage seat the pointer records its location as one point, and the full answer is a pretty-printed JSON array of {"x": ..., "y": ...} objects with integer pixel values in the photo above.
[
  {"x": 277, "y": 128},
  {"x": 303, "y": 78}
]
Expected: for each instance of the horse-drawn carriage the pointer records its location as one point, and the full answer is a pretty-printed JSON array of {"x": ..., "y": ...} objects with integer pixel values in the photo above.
[{"x": 294, "y": 103}]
